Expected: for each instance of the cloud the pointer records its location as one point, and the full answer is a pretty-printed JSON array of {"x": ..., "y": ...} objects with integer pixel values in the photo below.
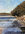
[
  {"x": 3, "y": 10},
  {"x": 22, "y": 0}
]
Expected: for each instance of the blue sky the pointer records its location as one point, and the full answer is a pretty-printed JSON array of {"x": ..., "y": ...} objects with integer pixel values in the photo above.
[{"x": 6, "y": 6}]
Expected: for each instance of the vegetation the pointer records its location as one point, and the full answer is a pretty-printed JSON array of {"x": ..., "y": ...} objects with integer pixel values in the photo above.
[
  {"x": 4, "y": 13},
  {"x": 23, "y": 29},
  {"x": 19, "y": 10}
]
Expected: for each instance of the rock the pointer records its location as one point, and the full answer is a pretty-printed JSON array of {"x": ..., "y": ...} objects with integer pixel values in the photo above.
[{"x": 16, "y": 24}]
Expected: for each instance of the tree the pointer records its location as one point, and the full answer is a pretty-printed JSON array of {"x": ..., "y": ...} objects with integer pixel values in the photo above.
[{"x": 19, "y": 10}]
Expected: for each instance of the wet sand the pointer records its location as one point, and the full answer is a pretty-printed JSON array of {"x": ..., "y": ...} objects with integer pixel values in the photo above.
[{"x": 1, "y": 30}]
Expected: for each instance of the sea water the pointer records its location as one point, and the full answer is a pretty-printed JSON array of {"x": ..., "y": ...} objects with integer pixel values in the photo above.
[{"x": 4, "y": 24}]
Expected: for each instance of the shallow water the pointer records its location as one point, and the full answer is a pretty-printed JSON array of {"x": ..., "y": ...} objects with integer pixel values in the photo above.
[
  {"x": 7, "y": 18},
  {"x": 5, "y": 24},
  {"x": 16, "y": 29}
]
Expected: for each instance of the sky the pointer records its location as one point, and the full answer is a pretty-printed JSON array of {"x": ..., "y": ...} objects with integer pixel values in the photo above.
[{"x": 6, "y": 6}]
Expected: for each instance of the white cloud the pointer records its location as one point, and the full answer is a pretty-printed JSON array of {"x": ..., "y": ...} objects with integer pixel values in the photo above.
[
  {"x": 1, "y": 7},
  {"x": 21, "y": 0}
]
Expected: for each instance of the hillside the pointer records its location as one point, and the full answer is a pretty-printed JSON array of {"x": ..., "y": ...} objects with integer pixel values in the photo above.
[
  {"x": 4, "y": 13},
  {"x": 19, "y": 10}
]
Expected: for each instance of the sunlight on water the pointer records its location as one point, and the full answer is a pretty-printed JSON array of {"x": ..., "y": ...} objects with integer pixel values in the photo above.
[
  {"x": 6, "y": 23},
  {"x": 16, "y": 29}
]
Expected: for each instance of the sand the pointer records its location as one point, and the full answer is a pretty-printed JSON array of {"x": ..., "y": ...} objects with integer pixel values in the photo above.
[{"x": 1, "y": 30}]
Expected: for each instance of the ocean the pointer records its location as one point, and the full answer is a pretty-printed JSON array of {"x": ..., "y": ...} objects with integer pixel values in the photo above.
[{"x": 7, "y": 24}]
